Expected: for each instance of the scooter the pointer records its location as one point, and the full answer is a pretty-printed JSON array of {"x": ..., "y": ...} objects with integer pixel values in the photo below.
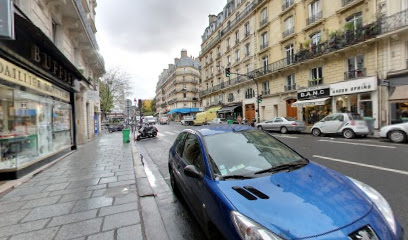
[{"x": 146, "y": 131}]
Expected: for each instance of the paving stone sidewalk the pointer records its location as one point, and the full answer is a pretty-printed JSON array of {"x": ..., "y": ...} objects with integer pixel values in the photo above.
[{"x": 91, "y": 194}]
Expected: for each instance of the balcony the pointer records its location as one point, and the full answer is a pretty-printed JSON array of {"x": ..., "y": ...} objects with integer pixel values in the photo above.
[
  {"x": 236, "y": 41},
  {"x": 288, "y": 32},
  {"x": 287, "y": 4},
  {"x": 263, "y": 22},
  {"x": 355, "y": 74},
  {"x": 264, "y": 45},
  {"x": 266, "y": 92},
  {"x": 289, "y": 88},
  {"x": 394, "y": 21},
  {"x": 314, "y": 18},
  {"x": 346, "y": 2},
  {"x": 315, "y": 82}
]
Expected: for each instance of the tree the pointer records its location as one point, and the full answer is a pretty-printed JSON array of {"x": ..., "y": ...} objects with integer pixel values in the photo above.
[
  {"x": 114, "y": 88},
  {"x": 146, "y": 106},
  {"x": 153, "y": 105}
]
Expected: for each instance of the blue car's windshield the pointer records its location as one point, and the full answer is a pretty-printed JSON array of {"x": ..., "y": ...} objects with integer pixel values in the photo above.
[{"x": 247, "y": 152}]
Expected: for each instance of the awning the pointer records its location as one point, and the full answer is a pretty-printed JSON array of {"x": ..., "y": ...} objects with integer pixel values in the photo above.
[
  {"x": 227, "y": 109},
  {"x": 398, "y": 81},
  {"x": 183, "y": 110},
  {"x": 399, "y": 93},
  {"x": 313, "y": 102},
  {"x": 214, "y": 109}
]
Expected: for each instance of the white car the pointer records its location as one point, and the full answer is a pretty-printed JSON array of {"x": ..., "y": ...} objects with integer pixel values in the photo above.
[
  {"x": 396, "y": 133},
  {"x": 217, "y": 121},
  {"x": 149, "y": 120},
  {"x": 187, "y": 120},
  {"x": 347, "y": 124}
]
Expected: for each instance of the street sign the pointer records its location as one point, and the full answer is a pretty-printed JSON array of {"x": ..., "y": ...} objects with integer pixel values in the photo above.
[{"x": 6, "y": 19}]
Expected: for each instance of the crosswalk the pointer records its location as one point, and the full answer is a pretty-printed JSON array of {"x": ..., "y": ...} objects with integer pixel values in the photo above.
[{"x": 167, "y": 133}]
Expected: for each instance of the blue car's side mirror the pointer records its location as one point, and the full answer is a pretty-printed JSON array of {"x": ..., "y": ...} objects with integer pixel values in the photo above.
[{"x": 191, "y": 171}]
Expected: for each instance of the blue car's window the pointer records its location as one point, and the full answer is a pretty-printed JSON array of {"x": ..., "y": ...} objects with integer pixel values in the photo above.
[
  {"x": 246, "y": 152},
  {"x": 192, "y": 152},
  {"x": 179, "y": 143}
]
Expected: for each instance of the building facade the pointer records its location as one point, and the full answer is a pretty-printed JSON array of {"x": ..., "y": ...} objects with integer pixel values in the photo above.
[
  {"x": 177, "y": 88},
  {"x": 48, "y": 83},
  {"x": 309, "y": 58}
]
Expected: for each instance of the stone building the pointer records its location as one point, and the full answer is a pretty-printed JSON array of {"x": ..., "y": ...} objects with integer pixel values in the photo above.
[
  {"x": 177, "y": 88},
  {"x": 48, "y": 82},
  {"x": 309, "y": 58}
]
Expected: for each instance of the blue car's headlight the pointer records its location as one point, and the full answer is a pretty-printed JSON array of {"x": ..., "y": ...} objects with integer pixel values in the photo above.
[
  {"x": 248, "y": 229},
  {"x": 379, "y": 201}
]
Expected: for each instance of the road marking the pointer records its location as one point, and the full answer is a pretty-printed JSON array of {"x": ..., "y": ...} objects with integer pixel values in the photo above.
[
  {"x": 362, "y": 165},
  {"x": 160, "y": 134},
  {"x": 176, "y": 132},
  {"x": 170, "y": 133},
  {"x": 284, "y": 136},
  {"x": 359, "y": 144}
]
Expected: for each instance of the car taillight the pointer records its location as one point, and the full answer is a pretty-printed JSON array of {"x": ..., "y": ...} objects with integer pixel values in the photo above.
[
  {"x": 352, "y": 123},
  {"x": 294, "y": 124}
]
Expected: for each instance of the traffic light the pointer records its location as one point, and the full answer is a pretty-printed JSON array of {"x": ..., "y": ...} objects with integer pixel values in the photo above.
[
  {"x": 260, "y": 98},
  {"x": 227, "y": 72}
]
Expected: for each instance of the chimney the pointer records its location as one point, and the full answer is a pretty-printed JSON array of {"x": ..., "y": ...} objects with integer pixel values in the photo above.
[
  {"x": 211, "y": 18},
  {"x": 183, "y": 53},
  {"x": 176, "y": 60}
]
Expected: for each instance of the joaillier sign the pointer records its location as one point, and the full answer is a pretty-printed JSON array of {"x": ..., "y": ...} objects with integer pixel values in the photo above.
[
  {"x": 6, "y": 19},
  {"x": 17, "y": 75}
]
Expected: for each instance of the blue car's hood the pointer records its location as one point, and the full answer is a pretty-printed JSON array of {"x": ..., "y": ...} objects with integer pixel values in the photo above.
[{"x": 306, "y": 202}]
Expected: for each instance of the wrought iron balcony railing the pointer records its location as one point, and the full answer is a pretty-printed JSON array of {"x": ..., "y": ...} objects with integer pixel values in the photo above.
[
  {"x": 266, "y": 92},
  {"x": 264, "y": 45},
  {"x": 290, "y": 87},
  {"x": 355, "y": 74},
  {"x": 288, "y": 32},
  {"x": 247, "y": 33},
  {"x": 314, "y": 18},
  {"x": 315, "y": 82},
  {"x": 263, "y": 22},
  {"x": 394, "y": 21},
  {"x": 286, "y": 4}
]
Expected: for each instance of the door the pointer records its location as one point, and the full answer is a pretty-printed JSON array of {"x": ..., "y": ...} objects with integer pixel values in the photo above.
[
  {"x": 268, "y": 124},
  {"x": 249, "y": 112},
  {"x": 277, "y": 124},
  {"x": 177, "y": 160},
  {"x": 291, "y": 111},
  {"x": 195, "y": 189}
]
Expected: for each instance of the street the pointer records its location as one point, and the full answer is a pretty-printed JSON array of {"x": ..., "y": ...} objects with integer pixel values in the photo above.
[{"x": 379, "y": 163}]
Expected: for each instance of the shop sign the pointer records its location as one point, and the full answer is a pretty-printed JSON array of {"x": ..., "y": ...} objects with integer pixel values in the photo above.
[
  {"x": 354, "y": 86},
  {"x": 92, "y": 96},
  {"x": 6, "y": 19},
  {"x": 311, "y": 93},
  {"x": 17, "y": 75}
]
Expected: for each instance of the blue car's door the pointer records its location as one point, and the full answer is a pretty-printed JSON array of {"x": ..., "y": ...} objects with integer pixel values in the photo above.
[
  {"x": 195, "y": 189},
  {"x": 177, "y": 160}
]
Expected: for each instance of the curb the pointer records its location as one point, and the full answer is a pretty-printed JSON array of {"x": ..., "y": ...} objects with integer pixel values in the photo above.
[{"x": 152, "y": 221}]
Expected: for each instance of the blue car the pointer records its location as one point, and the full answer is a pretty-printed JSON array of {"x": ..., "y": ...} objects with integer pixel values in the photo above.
[{"x": 242, "y": 183}]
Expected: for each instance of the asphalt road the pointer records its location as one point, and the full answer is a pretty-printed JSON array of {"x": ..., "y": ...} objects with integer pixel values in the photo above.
[{"x": 379, "y": 163}]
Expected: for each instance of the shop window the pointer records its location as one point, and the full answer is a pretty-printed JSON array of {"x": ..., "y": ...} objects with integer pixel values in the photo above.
[
  {"x": 366, "y": 105},
  {"x": 399, "y": 112}
]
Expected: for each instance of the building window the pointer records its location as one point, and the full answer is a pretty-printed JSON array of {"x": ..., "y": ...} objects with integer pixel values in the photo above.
[
  {"x": 247, "y": 68},
  {"x": 316, "y": 76},
  {"x": 220, "y": 98},
  {"x": 207, "y": 86},
  {"x": 290, "y": 83},
  {"x": 236, "y": 37},
  {"x": 406, "y": 52},
  {"x": 265, "y": 63},
  {"x": 264, "y": 40},
  {"x": 230, "y": 97},
  {"x": 246, "y": 29},
  {"x": 247, "y": 52},
  {"x": 354, "y": 22},
  {"x": 265, "y": 88},
  {"x": 228, "y": 60},
  {"x": 315, "y": 38},
  {"x": 290, "y": 53},
  {"x": 184, "y": 70},
  {"x": 212, "y": 71},
  {"x": 289, "y": 27},
  {"x": 237, "y": 55},
  {"x": 315, "y": 12},
  {"x": 184, "y": 78},
  {"x": 264, "y": 16},
  {"x": 184, "y": 86},
  {"x": 355, "y": 67},
  {"x": 212, "y": 84},
  {"x": 228, "y": 43},
  {"x": 219, "y": 80},
  {"x": 249, "y": 93},
  {"x": 185, "y": 95}
]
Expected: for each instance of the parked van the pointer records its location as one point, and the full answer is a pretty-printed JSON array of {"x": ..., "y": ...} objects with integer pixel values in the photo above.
[{"x": 203, "y": 118}]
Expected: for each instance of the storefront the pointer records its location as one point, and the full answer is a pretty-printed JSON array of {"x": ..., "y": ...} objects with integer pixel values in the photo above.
[
  {"x": 36, "y": 101},
  {"x": 315, "y": 103},
  {"x": 398, "y": 99},
  {"x": 357, "y": 96},
  {"x": 230, "y": 112}
]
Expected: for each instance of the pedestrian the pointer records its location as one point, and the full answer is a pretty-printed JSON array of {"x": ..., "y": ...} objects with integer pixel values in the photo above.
[{"x": 239, "y": 119}]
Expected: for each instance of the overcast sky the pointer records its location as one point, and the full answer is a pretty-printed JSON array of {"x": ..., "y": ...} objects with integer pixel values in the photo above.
[{"x": 144, "y": 36}]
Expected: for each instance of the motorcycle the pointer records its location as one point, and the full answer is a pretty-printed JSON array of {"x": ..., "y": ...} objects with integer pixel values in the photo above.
[{"x": 146, "y": 131}]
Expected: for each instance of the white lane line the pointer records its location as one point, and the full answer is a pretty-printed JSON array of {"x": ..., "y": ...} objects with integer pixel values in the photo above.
[
  {"x": 359, "y": 144},
  {"x": 160, "y": 134},
  {"x": 176, "y": 132},
  {"x": 363, "y": 165},
  {"x": 284, "y": 136},
  {"x": 169, "y": 133}
]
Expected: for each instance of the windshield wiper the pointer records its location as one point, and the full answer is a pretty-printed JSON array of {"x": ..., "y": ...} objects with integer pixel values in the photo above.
[
  {"x": 286, "y": 166},
  {"x": 236, "y": 177}
]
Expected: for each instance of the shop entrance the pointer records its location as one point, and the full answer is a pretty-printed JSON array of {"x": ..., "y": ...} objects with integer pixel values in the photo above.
[
  {"x": 291, "y": 111},
  {"x": 250, "y": 112}
]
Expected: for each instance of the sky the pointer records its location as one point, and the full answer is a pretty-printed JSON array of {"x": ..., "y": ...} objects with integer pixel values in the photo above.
[{"x": 143, "y": 36}]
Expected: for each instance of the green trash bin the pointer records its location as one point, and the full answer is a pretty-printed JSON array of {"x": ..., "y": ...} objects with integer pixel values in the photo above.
[
  {"x": 126, "y": 133},
  {"x": 370, "y": 123},
  {"x": 230, "y": 121}
]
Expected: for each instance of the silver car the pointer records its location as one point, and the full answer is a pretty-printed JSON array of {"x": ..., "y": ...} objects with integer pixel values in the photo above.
[
  {"x": 396, "y": 133},
  {"x": 282, "y": 124}
]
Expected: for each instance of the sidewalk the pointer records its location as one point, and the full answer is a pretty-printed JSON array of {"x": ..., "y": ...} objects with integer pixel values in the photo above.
[{"x": 91, "y": 194}]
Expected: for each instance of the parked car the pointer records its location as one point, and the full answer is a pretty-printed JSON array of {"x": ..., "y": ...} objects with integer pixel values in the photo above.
[
  {"x": 217, "y": 121},
  {"x": 115, "y": 128},
  {"x": 164, "y": 120},
  {"x": 242, "y": 183},
  {"x": 282, "y": 124},
  {"x": 396, "y": 133},
  {"x": 347, "y": 124},
  {"x": 149, "y": 120},
  {"x": 187, "y": 120}
]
